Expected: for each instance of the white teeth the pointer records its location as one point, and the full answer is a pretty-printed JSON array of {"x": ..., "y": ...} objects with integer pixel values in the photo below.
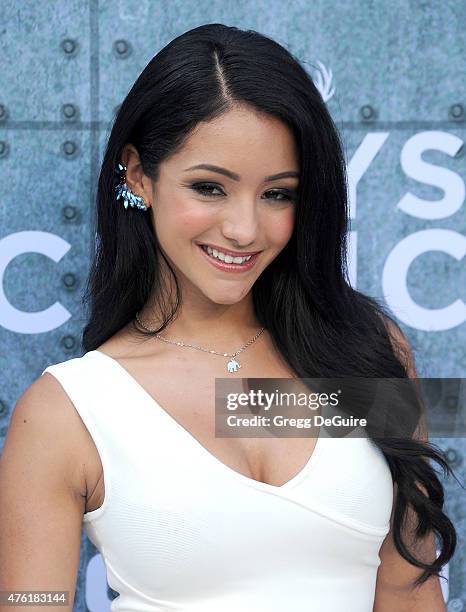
[{"x": 224, "y": 257}]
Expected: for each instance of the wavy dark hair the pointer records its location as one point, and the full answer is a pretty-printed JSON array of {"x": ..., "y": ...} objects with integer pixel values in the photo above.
[{"x": 320, "y": 324}]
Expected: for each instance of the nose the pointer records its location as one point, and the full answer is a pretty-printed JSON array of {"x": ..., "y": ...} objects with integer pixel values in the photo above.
[{"x": 241, "y": 224}]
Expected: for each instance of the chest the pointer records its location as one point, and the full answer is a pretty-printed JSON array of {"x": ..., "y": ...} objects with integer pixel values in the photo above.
[{"x": 184, "y": 387}]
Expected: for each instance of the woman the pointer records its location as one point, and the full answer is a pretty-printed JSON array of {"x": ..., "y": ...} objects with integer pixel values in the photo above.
[{"x": 222, "y": 147}]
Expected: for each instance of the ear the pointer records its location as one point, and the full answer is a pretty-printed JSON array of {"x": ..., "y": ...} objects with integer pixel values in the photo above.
[{"x": 137, "y": 181}]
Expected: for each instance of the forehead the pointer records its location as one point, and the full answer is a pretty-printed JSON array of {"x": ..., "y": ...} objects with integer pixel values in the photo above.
[{"x": 243, "y": 140}]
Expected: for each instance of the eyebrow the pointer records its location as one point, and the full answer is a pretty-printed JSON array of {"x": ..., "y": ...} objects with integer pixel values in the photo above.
[{"x": 236, "y": 177}]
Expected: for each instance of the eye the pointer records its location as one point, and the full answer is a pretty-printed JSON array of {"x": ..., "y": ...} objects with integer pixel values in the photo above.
[
  {"x": 205, "y": 189},
  {"x": 279, "y": 195},
  {"x": 285, "y": 195}
]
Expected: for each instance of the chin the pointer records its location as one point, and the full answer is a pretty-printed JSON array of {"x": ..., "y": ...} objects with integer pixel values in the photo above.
[{"x": 227, "y": 299}]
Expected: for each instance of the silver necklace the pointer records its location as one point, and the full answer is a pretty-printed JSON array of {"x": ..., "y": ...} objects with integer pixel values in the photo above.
[{"x": 232, "y": 365}]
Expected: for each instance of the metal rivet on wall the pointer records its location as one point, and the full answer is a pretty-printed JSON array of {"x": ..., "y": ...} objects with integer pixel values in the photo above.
[
  {"x": 4, "y": 148},
  {"x": 3, "y": 112},
  {"x": 455, "y": 605},
  {"x": 69, "y": 148},
  {"x": 69, "y": 213},
  {"x": 452, "y": 456},
  {"x": 451, "y": 403},
  {"x": 2, "y": 407},
  {"x": 69, "y": 280},
  {"x": 68, "y": 342},
  {"x": 69, "y": 111},
  {"x": 367, "y": 112},
  {"x": 122, "y": 48},
  {"x": 69, "y": 46},
  {"x": 456, "y": 112}
]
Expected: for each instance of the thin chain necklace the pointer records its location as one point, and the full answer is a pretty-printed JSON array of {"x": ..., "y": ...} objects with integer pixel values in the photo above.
[{"x": 232, "y": 365}]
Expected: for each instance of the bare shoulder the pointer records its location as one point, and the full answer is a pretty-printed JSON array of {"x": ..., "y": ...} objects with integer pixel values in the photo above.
[
  {"x": 44, "y": 420},
  {"x": 401, "y": 346},
  {"x": 405, "y": 355},
  {"x": 42, "y": 488}
]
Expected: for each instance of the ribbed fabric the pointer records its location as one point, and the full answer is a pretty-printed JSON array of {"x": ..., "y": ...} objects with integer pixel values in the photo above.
[{"x": 179, "y": 530}]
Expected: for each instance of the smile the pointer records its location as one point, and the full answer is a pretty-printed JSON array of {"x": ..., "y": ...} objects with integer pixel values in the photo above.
[{"x": 227, "y": 262}]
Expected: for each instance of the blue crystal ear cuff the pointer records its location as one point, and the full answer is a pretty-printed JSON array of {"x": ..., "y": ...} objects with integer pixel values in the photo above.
[{"x": 125, "y": 193}]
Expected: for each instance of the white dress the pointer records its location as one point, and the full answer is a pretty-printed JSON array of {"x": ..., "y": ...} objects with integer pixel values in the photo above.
[{"x": 179, "y": 530}]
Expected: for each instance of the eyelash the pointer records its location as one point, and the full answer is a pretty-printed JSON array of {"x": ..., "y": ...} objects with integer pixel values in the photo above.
[{"x": 201, "y": 188}]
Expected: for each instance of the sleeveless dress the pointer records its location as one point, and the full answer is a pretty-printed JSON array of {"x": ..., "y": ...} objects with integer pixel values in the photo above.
[{"x": 179, "y": 530}]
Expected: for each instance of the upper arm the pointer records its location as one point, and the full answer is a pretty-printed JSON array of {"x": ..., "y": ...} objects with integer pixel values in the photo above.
[
  {"x": 42, "y": 494},
  {"x": 395, "y": 575}
]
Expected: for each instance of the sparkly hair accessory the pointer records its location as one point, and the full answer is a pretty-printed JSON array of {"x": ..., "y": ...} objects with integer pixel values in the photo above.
[{"x": 124, "y": 192}]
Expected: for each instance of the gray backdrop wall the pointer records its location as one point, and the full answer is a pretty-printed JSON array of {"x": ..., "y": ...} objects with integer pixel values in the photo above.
[{"x": 392, "y": 75}]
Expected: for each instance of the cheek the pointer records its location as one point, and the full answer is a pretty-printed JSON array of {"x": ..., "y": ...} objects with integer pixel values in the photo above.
[
  {"x": 280, "y": 228},
  {"x": 191, "y": 222},
  {"x": 185, "y": 219}
]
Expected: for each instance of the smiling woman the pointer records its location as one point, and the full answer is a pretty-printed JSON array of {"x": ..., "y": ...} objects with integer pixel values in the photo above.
[
  {"x": 233, "y": 245},
  {"x": 236, "y": 214}
]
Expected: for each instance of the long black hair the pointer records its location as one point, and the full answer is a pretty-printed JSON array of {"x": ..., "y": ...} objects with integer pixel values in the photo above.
[{"x": 320, "y": 324}]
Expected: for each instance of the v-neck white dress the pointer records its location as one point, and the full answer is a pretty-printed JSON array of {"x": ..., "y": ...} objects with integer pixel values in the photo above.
[{"x": 181, "y": 531}]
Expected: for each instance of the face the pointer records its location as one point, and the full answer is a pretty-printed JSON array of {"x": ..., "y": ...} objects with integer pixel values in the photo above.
[{"x": 237, "y": 204}]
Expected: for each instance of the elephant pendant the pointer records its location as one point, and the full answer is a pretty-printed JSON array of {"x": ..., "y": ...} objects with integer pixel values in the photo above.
[{"x": 233, "y": 365}]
